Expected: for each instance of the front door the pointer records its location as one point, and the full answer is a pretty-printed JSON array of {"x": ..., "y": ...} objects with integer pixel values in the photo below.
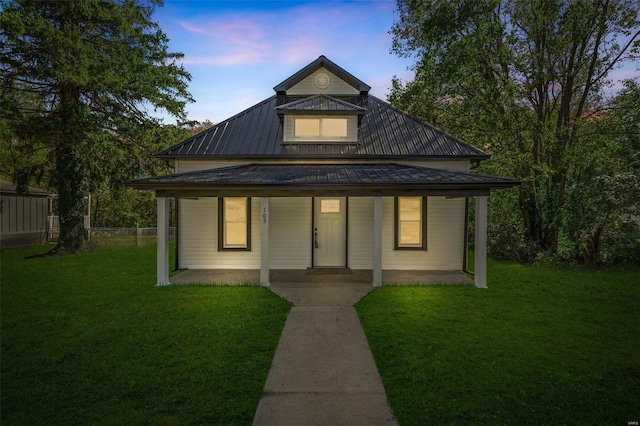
[{"x": 330, "y": 232}]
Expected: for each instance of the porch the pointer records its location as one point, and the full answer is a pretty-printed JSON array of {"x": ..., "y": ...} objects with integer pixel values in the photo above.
[{"x": 310, "y": 276}]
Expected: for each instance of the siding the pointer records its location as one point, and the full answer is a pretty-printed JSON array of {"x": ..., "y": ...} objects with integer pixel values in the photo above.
[
  {"x": 198, "y": 237},
  {"x": 307, "y": 86},
  {"x": 445, "y": 234},
  {"x": 290, "y": 236},
  {"x": 23, "y": 214},
  {"x": 290, "y": 233},
  {"x": 360, "y": 232}
]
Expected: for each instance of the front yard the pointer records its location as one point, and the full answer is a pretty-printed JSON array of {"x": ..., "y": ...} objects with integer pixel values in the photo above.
[
  {"x": 541, "y": 346},
  {"x": 88, "y": 339}
]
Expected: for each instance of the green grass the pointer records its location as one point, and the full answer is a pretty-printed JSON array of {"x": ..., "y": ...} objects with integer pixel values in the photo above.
[
  {"x": 89, "y": 339},
  {"x": 541, "y": 346}
]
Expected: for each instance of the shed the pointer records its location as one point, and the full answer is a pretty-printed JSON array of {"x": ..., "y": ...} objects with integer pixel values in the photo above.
[{"x": 24, "y": 216}]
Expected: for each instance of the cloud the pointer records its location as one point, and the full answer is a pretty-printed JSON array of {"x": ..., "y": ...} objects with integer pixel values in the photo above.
[{"x": 291, "y": 35}]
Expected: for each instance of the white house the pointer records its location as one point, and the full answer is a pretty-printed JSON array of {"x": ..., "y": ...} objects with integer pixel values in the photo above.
[{"x": 322, "y": 174}]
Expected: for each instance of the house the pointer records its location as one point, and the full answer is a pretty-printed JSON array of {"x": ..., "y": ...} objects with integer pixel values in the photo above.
[
  {"x": 323, "y": 175},
  {"x": 24, "y": 216}
]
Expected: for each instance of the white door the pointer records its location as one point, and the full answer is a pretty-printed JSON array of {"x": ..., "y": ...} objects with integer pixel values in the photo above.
[{"x": 329, "y": 232}]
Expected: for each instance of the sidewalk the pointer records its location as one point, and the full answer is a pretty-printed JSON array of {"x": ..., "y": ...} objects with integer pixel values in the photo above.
[{"x": 323, "y": 372}]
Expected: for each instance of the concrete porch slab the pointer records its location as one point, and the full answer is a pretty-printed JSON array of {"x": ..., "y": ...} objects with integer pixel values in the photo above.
[{"x": 308, "y": 277}]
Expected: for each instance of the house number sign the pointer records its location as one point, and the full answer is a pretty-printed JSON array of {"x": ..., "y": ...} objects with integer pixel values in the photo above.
[{"x": 264, "y": 215}]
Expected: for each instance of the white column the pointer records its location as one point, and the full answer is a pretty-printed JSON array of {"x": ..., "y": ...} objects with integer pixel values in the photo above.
[
  {"x": 264, "y": 241},
  {"x": 377, "y": 241},
  {"x": 480, "y": 267},
  {"x": 163, "y": 241}
]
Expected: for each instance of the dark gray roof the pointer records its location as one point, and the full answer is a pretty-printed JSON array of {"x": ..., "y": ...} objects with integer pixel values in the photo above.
[
  {"x": 384, "y": 132},
  {"x": 320, "y": 103},
  {"x": 294, "y": 177},
  {"x": 322, "y": 61}
]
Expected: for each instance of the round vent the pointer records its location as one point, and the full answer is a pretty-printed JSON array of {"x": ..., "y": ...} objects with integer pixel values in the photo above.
[{"x": 322, "y": 81}]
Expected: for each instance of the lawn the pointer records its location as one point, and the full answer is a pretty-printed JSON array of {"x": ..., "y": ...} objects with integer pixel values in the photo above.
[
  {"x": 89, "y": 339},
  {"x": 542, "y": 345}
]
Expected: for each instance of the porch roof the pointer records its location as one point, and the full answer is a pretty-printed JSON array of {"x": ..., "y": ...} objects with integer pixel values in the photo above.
[{"x": 291, "y": 180}]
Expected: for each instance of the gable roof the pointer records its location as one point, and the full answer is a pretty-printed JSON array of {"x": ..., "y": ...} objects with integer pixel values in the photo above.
[
  {"x": 321, "y": 62},
  {"x": 385, "y": 132},
  {"x": 320, "y": 103}
]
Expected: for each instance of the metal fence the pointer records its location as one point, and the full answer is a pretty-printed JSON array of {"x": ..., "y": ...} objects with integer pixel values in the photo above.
[{"x": 126, "y": 236}]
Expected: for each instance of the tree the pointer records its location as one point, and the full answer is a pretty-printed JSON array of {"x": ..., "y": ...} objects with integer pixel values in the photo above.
[
  {"x": 78, "y": 80},
  {"x": 518, "y": 78}
]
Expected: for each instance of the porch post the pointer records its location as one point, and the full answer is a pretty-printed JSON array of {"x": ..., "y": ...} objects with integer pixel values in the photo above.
[
  {"x": 377, "y": 241},
  {"x": 264, "y": 241},
  {"x": 480, "y": 268},
  {"x": 163, "y": 241}
]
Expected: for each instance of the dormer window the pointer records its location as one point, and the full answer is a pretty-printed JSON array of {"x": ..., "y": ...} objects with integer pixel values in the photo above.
[
  {"x": 306, "y": 128},
  {"x": 320, "y": 128}
]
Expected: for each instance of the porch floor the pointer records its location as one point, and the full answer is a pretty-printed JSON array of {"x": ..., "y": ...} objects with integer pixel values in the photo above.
[{"x": 252, "y": 276}]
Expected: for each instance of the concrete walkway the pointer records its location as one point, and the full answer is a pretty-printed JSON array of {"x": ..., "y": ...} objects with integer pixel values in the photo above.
[{"x": 323, "y": 372}]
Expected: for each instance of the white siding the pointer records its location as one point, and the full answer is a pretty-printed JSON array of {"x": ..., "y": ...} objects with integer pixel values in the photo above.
[
  {"x": 183, "y": 166},
  {"x": 290, "y": 233},
  {"x": 290, "y": 236},
  {"x": 360, "y": 232},
  {"x": 445, "y": 235},
  {"x": 308, "y": 87},
  {"x": 198, "y": 237}
]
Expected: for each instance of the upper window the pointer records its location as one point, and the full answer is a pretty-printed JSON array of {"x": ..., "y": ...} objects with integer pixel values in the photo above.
[
  {"x": 411, "y": 223},
  {"x": 234, "y": 225},
  {"x": 321, "y": 128},
  {"x": 309, "y": 128}
]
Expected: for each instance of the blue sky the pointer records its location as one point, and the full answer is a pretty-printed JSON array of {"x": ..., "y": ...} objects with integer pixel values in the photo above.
[{"x": 237, "y": 51}]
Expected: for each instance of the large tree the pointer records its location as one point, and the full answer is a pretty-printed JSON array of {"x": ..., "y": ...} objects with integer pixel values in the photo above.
[
  {"x": 80, "y": 79},
  {"x": 519, "y": 78}
]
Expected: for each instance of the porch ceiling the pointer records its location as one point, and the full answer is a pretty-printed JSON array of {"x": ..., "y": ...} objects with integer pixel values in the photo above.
[{"x": 294, "y": 180}]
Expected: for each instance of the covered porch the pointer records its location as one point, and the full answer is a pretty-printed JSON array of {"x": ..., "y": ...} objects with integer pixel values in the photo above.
[{"x": 376, "y": 181}]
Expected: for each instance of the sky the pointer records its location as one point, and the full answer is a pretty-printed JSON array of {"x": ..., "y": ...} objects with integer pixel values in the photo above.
[{"x": 237, "y": 51}]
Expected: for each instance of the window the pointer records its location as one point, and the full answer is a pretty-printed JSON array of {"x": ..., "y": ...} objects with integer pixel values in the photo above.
[
  {"x": 411, "y": 223},
  {"x": 234, "y": 224},
  {"x": 330, "y": 205},
  {"x": 320, "y": 128}
]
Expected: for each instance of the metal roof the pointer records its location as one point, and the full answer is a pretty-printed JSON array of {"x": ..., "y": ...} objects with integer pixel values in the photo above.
[
  {"x": 384, "y": 132},
  {"x": 320, "y": 103},
  {"x": 322, "y": 61},
  {"x": 300, "y": 179},
  {"x": 7, "y": 187}
]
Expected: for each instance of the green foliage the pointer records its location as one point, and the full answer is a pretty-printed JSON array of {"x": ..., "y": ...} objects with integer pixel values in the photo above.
[
  {"x": 543, "y": 345},
  {"x": 78, "y": 81},
  {"x": 88, "y": 339},
  {"x": 522, "y": 81}
]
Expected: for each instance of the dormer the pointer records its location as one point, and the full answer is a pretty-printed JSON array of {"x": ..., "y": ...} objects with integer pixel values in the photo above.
[
  {"x": 313, "y": 112},
  {"x": 320, "y": 118}
]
